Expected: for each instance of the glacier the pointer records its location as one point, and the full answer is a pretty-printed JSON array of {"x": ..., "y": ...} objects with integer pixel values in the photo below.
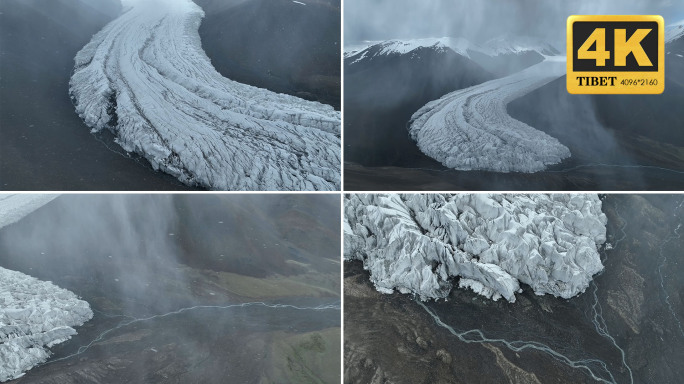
[
  {"x": 145, "y": 78},
  {"x": 470, "y": 129},
  {"x": 491, "y": 243},
  {"x": 34, "y": 314}
]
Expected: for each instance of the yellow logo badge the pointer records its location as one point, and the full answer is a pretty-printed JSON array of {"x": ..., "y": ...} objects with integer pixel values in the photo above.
[{"x": 616, "y": 54}]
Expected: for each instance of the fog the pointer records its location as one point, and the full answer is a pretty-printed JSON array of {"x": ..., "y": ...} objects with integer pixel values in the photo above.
[
  {"x": 148, "y": 251},
  {"x": 152, "y": 269},
  {"x": 122, "y": 241},
  {"x": 45, "y": 145},
  {"x": 479, "y": 21},
  {"x": 616, "y": 141},
  {"x": 278, "y": 45}
]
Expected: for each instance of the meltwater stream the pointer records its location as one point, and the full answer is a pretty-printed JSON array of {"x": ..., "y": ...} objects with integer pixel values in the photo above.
[
  {"x": 596, "y": 308},
  {"x": 133, "y": 320},
  {"x": 596, "y": 368}
]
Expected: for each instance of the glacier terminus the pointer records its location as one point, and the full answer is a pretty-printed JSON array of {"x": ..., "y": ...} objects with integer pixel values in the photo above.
[
  {"x": 420, "y": 243},
  {"x": 146, "y": 78}
]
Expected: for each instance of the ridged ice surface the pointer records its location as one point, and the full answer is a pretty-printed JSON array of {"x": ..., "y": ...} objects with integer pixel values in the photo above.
[
  {"x": 34, "y": 315},
  {"x": 470, "y": 129},
  {"x": 146, "y": 78},
  {"x": 419, "y": 243}
]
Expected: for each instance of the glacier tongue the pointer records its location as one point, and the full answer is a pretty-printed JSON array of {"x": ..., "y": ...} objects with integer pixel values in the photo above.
[
  {"x": 470, "y": 129},
  {"x": 146, "y": 78},
  {"x": 34, "y": 315},
  {"x": 416, "y": 243}
]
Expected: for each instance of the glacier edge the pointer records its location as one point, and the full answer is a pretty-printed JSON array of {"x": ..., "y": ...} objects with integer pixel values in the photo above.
[{"x": 421, "y": 243}]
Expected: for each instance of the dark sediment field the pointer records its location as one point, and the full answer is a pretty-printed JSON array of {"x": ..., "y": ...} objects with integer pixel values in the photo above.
[
  {"x": 393, "y": 339},
  {"x": 44, "y": 145},
  {"x": 583, "y": 178},
  {"x": 279, "y": 45},
  {"x": 135, "y": 257}
]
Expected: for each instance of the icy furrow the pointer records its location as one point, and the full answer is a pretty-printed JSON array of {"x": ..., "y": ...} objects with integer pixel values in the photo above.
[
  {"x": 470, "y": 129},
  {"x": 420, "y": 243},
  {"x": 146, "y": 78}
]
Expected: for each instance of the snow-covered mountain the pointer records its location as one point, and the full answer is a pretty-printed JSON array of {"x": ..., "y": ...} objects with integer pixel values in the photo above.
[
  {"x": 401, "y": 47},
  {"x": 34, "y": 314},
  {"x": 418, "y": 243},
  {"x": 508, "y": 44},
  {"x": 498, "y": 55},
  {"x": 674, "y": 31},
  {"x": 386, "y": 82},
  {"x": 674, "y": 45},
  {"x": 146, "y": 78}
]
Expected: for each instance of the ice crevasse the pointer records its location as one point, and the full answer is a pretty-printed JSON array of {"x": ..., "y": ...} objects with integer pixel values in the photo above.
[
  {"x": 422, "y": 243},
  {"x": 34, "y": 314},
  {"x": 146, "y": 78},
  {"x": 470, "y": 129}
]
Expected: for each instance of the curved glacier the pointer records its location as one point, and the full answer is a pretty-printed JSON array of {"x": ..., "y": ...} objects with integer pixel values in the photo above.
[
  {"x": 146, "y": 78},
  {"x": 470, "y": 129},
  {"x": 418, "y": 243}
]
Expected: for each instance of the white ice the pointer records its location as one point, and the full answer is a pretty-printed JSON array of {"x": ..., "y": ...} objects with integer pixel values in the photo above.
[
  {"x": 34, "y": 314},
  {"x": 417, "y": 243},
  {"x": 147, "y": 68},
  {"x": 470, "y": 129}
]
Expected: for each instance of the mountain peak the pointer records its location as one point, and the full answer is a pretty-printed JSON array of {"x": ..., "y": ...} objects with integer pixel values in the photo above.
[
  {"x": 674, "y": 31},
  {"x": 515, "y": 44},
  {"x": 459, "y": 45},
  {"x": 371, "y": 49}
]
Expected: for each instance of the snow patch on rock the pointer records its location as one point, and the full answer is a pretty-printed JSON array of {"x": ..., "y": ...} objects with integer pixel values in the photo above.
[
  {"x": 470, "y": 129},
  {"x": 498, "y": 46},
  {"x": 507, "y": 44},
  {"x": 146, "y": 78},
  {"x": 401, "y": 47},
  {"x": 674, "y": 31},
  {"x": 419, "y": 243}
]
